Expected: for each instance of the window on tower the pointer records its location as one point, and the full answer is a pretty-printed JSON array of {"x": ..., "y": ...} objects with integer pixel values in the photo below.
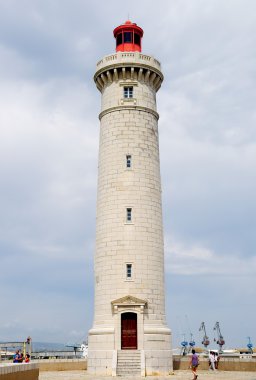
[
  {"x": 128, "y": 271},
  {"x": 127, "y": 37},
  {"x": 136, "y": 39},
  {"x": 128, "y": 92},
  {"x": 128, "y": 161},
  {"x": 119, "y": 39},
  {"x": 128, "y": 215}
]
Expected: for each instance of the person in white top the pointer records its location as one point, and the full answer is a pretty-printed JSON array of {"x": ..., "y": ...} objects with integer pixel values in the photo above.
[{"x": 211, "y": 361}]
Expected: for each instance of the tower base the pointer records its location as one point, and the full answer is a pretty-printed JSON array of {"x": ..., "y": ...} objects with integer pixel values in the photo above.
[
  {"x": 155, "y": 352},
  {"x": 158, "y": 353},
  {"x": 100, "y": 351}
]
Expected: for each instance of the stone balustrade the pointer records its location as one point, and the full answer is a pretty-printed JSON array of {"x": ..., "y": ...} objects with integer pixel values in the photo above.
[
  {"x": 131, "y": 66},
  {"x": 126, "y": 56}
]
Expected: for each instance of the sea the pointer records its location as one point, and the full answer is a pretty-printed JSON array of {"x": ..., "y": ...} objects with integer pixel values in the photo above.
[{"x": 47, "y": 346}]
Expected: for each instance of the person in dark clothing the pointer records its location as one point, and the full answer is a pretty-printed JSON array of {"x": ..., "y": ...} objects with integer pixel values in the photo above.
[{"x": 194, "y": 362}]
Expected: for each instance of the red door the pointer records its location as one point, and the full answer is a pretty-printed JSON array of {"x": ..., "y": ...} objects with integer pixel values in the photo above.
[{"x": 129, "y": 331}]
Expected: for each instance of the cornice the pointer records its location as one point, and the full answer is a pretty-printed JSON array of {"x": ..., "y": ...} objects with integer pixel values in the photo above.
[
  {"x": 129, "y": 107},
  {"x": 143, "y": 71}
]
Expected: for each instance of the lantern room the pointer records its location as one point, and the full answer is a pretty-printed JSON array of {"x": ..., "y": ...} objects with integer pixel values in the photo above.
[{"x": 128, "y": 37}]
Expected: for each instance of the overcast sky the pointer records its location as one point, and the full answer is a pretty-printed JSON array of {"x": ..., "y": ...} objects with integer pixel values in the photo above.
[{"x": 49, "y": 136}]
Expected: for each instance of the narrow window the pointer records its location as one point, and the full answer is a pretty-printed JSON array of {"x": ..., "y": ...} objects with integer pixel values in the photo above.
[
  {"x": 128, "y": 271},
  {"x": 119, "y": 39},
  {"x": 128, "y": 92},
  {"x": 128, "y": 161},
  {"x": 127, "y": 37},
  {"x": 128, "y": 214},
  {"x": 136, "y": 39}
]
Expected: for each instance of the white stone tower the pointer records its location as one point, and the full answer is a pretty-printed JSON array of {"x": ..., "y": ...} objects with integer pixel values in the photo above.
[{"x": 129, "y": 315}]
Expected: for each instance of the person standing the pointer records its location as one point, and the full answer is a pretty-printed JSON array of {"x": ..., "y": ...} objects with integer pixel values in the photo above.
[
  {"x": 211, "y": 361},
  {"x": 21, "y": 358},
  {"x": 194, "y": 362},
  {"x": 217, "y": 359},
  {"x": 16, "y": 356}
]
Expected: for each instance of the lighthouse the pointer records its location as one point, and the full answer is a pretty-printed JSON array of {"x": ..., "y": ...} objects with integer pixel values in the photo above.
[{"x": 129, "y": 333}]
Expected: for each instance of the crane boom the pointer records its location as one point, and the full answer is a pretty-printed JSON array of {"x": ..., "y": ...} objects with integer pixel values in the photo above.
[
  {"x": 220, "y": 340},
  {"x": 205, "y": 340},
  {"x": 250, "y": 345}
]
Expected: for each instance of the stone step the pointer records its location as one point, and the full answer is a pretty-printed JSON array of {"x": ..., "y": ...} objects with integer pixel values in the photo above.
[
  {"x": 123, "y": 369},
  {"x": 129, "y": 359},
  {"x": 128, "y": 374},
  {"x": 131, "y": 364},
  {"x": 124, "y": 362},
  {"x": 128, "y": 356},
  {"x": 134, "y": 352},
  {"x": 128, "y": 363},
  {"x": 128, "y": 369}
]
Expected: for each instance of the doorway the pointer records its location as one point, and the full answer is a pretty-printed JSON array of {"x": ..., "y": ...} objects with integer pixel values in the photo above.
[{"x": 129, "y": 331}]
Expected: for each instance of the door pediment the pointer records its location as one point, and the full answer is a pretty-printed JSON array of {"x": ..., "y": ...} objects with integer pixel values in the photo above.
[{"x": 128, "y": 302}]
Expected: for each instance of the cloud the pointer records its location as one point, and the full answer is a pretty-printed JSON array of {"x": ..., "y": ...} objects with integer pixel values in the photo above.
[
  {"x": 48, "y": 159},
  {"x": 197, "y": 260},
  {"x": 47, "y": 195}
]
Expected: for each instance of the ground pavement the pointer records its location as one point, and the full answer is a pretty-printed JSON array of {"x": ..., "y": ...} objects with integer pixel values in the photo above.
[{"x": 178, "y": 375}]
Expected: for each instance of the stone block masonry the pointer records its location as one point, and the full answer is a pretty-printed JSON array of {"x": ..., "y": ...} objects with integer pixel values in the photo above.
[
  {"x": 29, "y": 371},
  {"x": 129, "y": 311}
]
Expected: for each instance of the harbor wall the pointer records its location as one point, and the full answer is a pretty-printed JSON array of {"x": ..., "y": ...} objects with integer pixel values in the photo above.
[
  {"x": 9, "y": 371},
  {"x": 19, "y": 371},
  {"x": 62, "y": 365},
  {"x": 225, "y": 364}
]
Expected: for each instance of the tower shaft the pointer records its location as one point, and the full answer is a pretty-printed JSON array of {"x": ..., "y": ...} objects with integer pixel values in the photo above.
[{"x": 129, "y": 312}]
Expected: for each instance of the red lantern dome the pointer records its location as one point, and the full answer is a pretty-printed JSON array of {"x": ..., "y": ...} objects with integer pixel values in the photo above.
[{"x": 128, "y": 37}]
